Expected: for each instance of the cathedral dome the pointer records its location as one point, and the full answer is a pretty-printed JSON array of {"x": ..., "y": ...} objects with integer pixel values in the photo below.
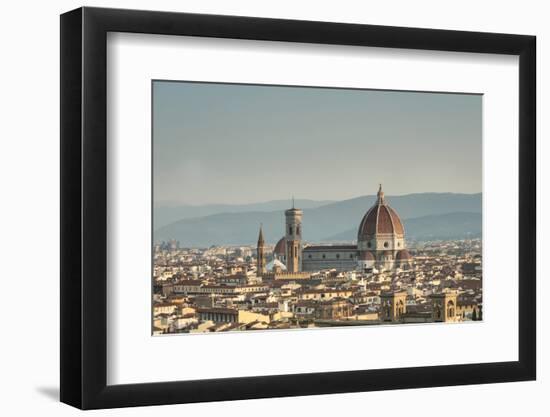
[
  {"x": 380, "y": 219},
  {"x": 366, "y": 256},
  {"x": 403, "y": 255},
  {"x": 280, "y": 247}
]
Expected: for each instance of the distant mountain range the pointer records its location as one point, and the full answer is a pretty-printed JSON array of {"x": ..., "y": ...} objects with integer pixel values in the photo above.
[
  {"x": 169, "y": 212},
  {"x": 436, "y": 227},
  {"x": 425, "y": 216}
]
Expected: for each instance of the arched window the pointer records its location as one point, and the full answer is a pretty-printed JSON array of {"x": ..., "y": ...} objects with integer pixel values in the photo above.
[
  {"x": 450, "y": 309},
  {"x": 298, "y": 230},
  {"x": 386, "y": 244},
  {"x": 400, "y": 308},
  {"x": 289, "y": 230}
]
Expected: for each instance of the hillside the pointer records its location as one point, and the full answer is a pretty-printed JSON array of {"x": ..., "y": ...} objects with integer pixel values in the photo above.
[{"x": 425, "y": 216}]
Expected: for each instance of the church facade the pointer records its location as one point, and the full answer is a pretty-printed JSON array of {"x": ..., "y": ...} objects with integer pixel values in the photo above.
[{"x": 380, "y": 245}]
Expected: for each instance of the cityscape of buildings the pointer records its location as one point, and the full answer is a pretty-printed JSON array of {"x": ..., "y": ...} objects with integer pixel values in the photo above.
[{"x": 292, "y": 284}]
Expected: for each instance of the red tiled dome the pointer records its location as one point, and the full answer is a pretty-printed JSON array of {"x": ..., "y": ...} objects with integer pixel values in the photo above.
[
  {"x": 403, "y": 255},
  {"x": 366, "y": 256},
  {"x": 380, "y": 219},
  {"x": 280, "y": 247}
]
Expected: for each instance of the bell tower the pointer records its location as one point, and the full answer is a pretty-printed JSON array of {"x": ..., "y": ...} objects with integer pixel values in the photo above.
[
  {"x": 293, "y": 237},
  {"x": 260, "y": 258}
]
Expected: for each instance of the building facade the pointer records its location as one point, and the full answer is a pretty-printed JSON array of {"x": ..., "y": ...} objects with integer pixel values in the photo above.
[{"x": 339, "y": 257}]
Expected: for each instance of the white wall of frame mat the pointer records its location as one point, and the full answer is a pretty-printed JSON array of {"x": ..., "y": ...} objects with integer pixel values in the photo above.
[{"x": 29, "y": 175}]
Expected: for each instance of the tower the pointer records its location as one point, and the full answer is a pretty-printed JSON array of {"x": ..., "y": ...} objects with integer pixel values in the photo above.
[
  {"x": 260, "y": 262},
  {"x": 393, "y": 306},
  {"x": 293, "y": 237},
  {"x": 444, "y": 306}
]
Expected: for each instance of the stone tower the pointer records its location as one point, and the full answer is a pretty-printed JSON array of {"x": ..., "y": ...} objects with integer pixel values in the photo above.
[
  {"x": 293, "y": 237},
  {"x": 260, "y": 262},
  {"x": 393, "y": 306},
  {"x": 444, "y": 307}
]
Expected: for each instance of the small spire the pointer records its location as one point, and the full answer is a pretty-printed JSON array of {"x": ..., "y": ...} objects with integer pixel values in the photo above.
[
  {"x": 380, "y": 194},
  {"x": 292, "y": 201},
  {"x": 261, "y": 235}
]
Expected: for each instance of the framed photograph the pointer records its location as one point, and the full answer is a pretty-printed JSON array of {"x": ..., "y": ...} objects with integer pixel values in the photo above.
[{"x": 258, "y": 208}]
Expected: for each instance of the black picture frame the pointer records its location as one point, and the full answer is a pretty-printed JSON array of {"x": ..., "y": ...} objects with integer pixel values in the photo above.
[{"x": 84, "y": 207}]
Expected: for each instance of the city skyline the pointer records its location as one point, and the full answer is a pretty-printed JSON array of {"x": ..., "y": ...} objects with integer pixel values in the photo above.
[
  {"x": 377, "y": 279},
  {"x": 244, "y": 144}
]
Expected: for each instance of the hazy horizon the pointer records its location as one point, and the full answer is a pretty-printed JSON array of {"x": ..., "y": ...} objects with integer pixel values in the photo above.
[
  {"x": 166, "y": 203},
  {"x": 233, "y": 144}
]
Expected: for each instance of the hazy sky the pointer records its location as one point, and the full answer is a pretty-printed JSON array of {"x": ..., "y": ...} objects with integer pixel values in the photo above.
[{"x": 234, "y": 144}]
